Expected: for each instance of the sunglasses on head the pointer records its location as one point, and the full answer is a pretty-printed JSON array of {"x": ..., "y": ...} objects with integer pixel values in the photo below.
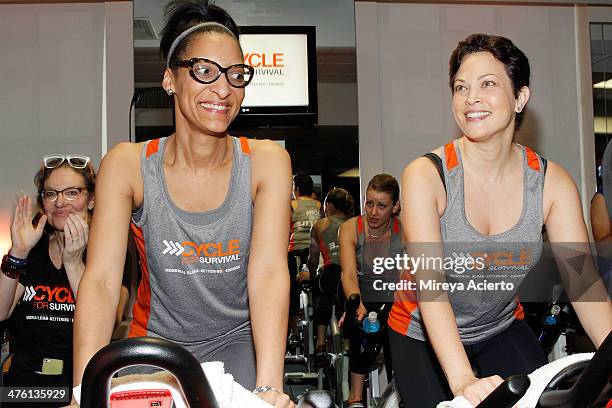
[{"x": 75, "y": 161}]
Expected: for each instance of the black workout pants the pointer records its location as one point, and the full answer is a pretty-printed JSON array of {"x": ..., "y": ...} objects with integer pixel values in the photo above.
[{"x": 421, "y": 381}]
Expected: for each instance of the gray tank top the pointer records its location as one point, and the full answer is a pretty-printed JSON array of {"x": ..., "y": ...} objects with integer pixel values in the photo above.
[
  {"x": 365, "y": 251},
  {"x": 194, "y": 264},
  {"x": 328, "y": 241},
  {"x": 482, "y": 314},
  {"x": 302, "y": 220}
]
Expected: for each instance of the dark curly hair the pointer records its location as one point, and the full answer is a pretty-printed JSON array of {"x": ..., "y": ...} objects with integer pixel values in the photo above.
[
  {"x": 181, "y": 15},
  {"x": 504, "y": 50}
]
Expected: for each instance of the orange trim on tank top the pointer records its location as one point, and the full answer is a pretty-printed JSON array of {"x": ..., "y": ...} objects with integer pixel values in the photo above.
[
  {"x": 519, "y": 313},
  {"x": 141, "y": 310},
  {"x": 532, "y": 159},
  {"x": 451, "y": 156},
  {"x": 152, "y": 147},
  {"x": 244, "y": 144},
  {"x": 396, "y": 226}
]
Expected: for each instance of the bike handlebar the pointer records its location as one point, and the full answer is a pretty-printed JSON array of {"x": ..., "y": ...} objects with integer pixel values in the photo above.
[{"x": 148, "y": 351}]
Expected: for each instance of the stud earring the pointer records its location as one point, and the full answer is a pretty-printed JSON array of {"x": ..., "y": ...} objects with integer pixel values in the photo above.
[{"x": 170, "y": 91}]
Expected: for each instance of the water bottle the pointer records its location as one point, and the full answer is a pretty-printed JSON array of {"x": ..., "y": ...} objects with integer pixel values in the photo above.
[
  {"x": 371, "y": 323},
  {"x": 551, "y": 329},
  {"x": 303, "y": 295}
]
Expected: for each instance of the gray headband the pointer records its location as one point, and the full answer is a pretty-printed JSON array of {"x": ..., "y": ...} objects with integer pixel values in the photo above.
[{"x": 190, "y": 30}]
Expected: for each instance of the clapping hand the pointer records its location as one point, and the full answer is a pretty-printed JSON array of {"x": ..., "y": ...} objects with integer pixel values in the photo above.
[
  {"x": 23, "y": 234},
  {"x": 76, "y": 234}
]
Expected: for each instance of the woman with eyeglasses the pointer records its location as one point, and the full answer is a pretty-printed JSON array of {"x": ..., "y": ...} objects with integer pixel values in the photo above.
[
  {"x": 210, "y": 213},
  {"x": 42, "y": 270}
]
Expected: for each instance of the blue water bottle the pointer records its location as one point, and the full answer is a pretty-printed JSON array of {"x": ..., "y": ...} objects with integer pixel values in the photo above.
[
  {"x": 550, "y": 329},
  {"x": 371, "y": 323}
]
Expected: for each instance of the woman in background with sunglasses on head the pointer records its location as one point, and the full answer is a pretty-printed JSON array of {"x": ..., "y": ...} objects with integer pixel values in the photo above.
[
  {"x": 42, "y": 270},
  {"x": 210, "y": 213}
]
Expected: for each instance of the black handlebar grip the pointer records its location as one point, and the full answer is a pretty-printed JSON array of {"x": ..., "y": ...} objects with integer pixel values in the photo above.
[
  {"x": 145, "y": 351},
  {"x": 317, "y": 399},
  {"x": 507, "y": 393},
  {"x": 588, "y": 386},
  {"x": 352, "y": 304}
]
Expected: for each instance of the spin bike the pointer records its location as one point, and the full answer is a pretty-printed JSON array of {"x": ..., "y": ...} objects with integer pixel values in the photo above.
[{"x": 193, "y": 384}]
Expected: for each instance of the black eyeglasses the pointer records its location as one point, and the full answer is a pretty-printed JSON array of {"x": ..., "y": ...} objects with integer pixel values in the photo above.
[
  {"x": 206, "y": 71},
  {"x": 70, "y": 193}
]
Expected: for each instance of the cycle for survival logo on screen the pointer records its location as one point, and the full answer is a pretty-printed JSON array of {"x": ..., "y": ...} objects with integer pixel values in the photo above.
[{"x": 281, "y": 69}]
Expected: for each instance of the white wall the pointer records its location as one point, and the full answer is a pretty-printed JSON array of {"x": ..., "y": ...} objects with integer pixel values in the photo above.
[
  {"x": 52, "y": 93},
  {"x": 335, "y": 19},
  {"x": 404, "y": 98}
]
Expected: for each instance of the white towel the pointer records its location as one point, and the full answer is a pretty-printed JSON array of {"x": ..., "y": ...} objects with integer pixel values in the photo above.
[
  {"x": 458, "y": 402},
  {"x": 542, "y": 376},
  {"x": 539, "y": 380},
  {"x": 228, "y": 392}
]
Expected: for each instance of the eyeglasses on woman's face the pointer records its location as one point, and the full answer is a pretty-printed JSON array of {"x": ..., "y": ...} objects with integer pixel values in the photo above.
[
  {"x": 207, "y": 71},
  {"x": 69, "y": 193}
]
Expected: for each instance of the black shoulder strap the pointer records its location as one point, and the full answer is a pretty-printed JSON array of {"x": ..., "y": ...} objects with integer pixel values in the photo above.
[
  {"x": 544, "y": 164},
  {"x": 437, "y": 161}
]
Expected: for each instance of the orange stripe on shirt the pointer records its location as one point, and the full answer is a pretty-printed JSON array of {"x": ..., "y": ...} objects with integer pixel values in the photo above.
[
  {"x": 244, "y": 144},
  {"x": 519, "y": 313},
  {"x": 451, "y": 156},
  {"x": 142, "y": 306},
  {"x": 360, "y": 228},
  {"x": 152, "y": 147},
  {"x": 325, "y": 253},
  {"x": 404, "y": 305},
  {"x": 532, "y": 159}
]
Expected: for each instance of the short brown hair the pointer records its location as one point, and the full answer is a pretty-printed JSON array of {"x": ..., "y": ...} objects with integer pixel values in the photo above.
[
  {"x": 385, "y": 183},
  {"x": 88, "y": 173}
]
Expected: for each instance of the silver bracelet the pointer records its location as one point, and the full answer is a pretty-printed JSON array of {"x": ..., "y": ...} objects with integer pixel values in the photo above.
[{"x": 265, "y": 388}]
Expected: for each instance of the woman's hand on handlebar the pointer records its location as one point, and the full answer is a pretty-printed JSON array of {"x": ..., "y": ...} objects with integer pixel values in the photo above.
[
  {"x": 361, "y": 312},
  {"x": 277, "y": 399},
  {"x": 476, "y": 389},
  {"x": 303, "y": 276}
]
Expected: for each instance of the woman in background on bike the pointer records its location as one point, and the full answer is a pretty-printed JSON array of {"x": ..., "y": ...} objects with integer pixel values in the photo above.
[
  {"x": 338, "y": 207},
  {"x": 361, "y": 238}
]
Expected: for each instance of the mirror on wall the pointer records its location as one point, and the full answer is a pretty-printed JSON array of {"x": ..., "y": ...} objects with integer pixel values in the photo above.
[
  {"x": 601, "y": 66},
  {"x": 327, "y": 149}
]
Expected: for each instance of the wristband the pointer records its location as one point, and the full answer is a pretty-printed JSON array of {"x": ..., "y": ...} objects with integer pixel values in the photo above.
[
  {"x": 18, "y": 262},
  {"x": 265, "y": 388},
  {"x": 11, "y": 270}
]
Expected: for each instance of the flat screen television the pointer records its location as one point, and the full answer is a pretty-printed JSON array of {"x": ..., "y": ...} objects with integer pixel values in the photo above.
[{"x": 283, "y": 91}]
